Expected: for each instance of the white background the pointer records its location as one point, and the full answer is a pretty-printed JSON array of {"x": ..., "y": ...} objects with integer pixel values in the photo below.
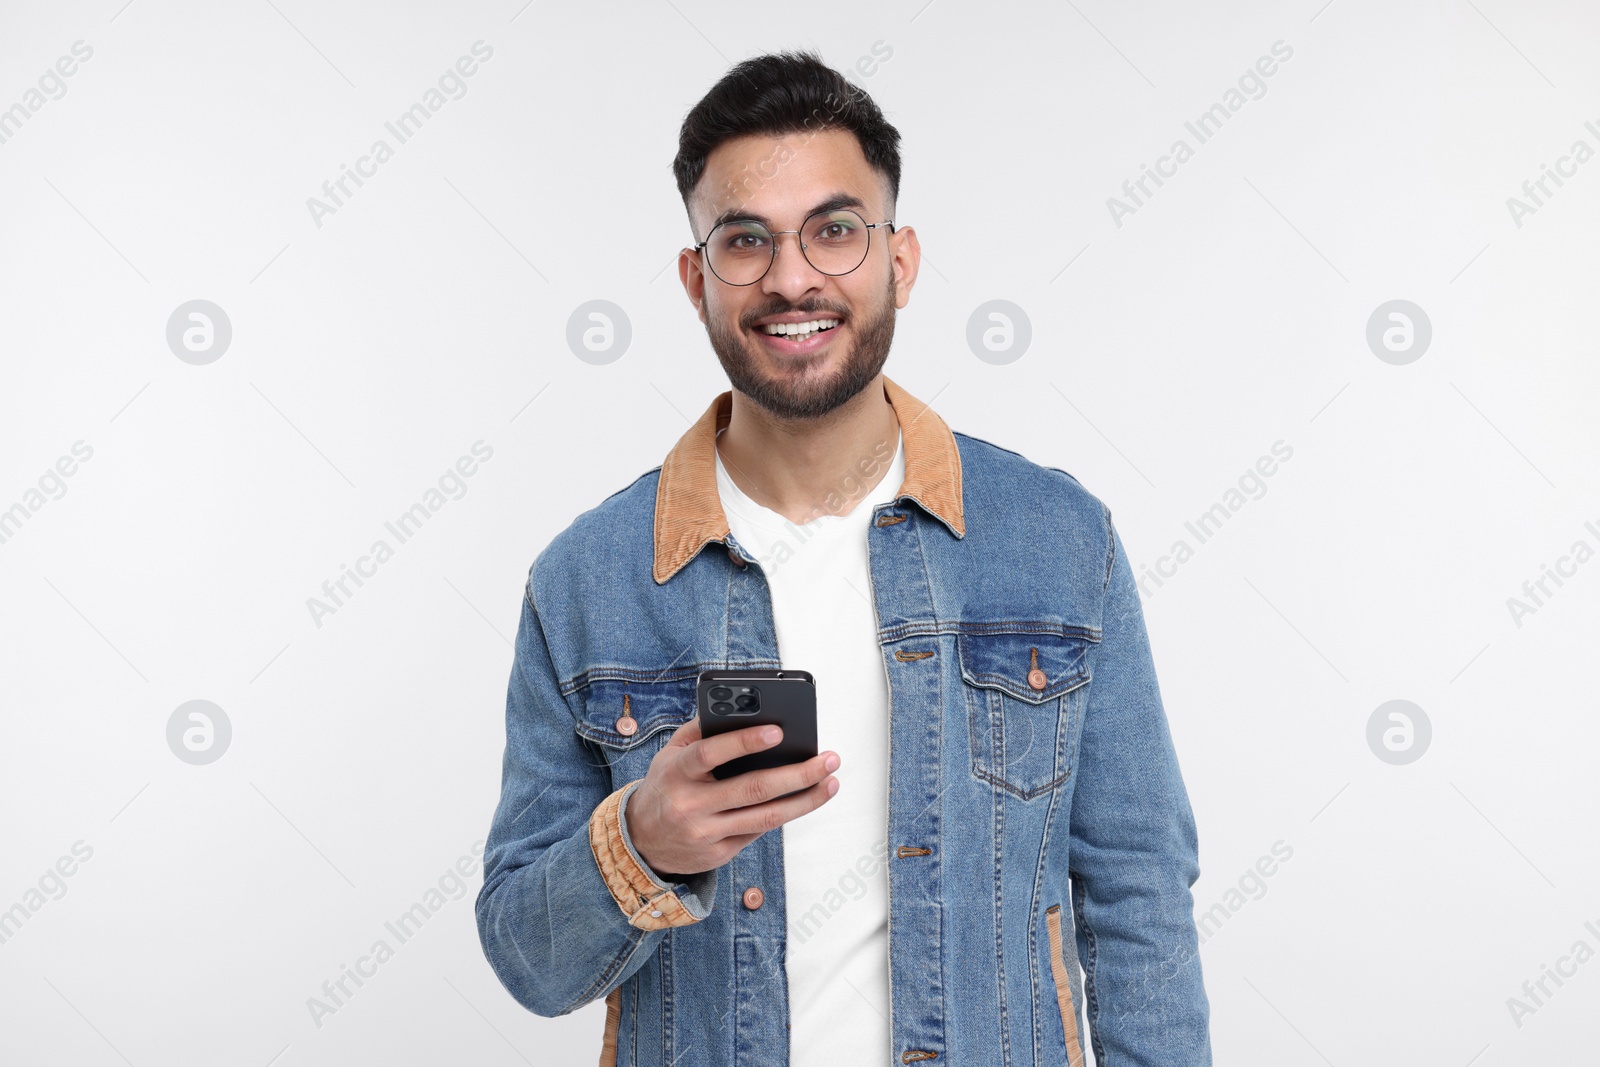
[{"x": 430, "y": 311}]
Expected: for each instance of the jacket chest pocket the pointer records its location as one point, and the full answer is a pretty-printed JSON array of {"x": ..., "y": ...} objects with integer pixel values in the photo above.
[
  {"x": 632, "y": 719},
  {"x": 1023, "y": 694}
]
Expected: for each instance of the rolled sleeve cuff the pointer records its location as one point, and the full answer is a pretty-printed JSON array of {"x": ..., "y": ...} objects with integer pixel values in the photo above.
[{"x": 648, "y": 902}]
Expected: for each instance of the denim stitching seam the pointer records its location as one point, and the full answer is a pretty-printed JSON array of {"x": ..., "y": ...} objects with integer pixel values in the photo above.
[
  {"x": 999, "y": 925},
  {"x": 1091, "y": 996},
  {"x": 618, "y": 962}
]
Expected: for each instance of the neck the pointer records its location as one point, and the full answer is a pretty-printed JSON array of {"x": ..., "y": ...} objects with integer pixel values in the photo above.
[{"x": 802, "y": 469}]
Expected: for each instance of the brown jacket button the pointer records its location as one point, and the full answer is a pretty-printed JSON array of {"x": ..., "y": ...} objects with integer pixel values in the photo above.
[
  {"x": 735, "y": 557},
  {"x": 1037, "y": 679},
  {"x": 753, "y": 897},
  {"x": 627, "y": 725}
]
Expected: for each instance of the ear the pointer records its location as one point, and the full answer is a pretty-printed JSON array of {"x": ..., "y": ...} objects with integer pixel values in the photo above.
[
  {"x": 905, "y": 257},
  {"x": 692, "y": 275}
]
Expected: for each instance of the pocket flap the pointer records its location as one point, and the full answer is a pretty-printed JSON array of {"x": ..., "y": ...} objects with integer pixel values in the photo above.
[
  {"x": 654, "y": 705},
  {"x": 1005, "y": 661}
]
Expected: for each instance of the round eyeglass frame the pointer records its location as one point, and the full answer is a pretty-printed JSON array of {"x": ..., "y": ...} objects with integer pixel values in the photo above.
[{"x": 775, "y": 234}]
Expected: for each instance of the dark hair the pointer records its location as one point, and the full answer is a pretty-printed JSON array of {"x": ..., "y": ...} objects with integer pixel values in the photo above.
[{"x": 778, "y": 93}]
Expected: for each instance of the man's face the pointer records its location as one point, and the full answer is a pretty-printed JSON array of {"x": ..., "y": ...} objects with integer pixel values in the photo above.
[{"x": 781, "y": 180}]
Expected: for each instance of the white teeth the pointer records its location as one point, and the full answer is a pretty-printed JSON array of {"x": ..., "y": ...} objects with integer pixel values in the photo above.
[{"x": 793, "y": 328}]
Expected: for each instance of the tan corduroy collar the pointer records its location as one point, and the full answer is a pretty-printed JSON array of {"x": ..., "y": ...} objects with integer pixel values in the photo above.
[{"x": 689, "y": 509}]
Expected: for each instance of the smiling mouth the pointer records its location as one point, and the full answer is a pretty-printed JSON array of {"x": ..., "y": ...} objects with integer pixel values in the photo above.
[
  {"x": 798, "y": 331},
  {"x": 799, "y": 338}
]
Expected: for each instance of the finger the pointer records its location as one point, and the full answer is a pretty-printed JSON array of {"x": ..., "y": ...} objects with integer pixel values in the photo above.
[
  {"x": 760, "y": 818},
  {"x": 714, "y": 751},
  {"x": 760, "y": 786}
]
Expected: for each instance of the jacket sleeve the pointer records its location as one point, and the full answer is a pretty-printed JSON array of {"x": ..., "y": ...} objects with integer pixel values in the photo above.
[
  {"x": 568, "y": 910},
  {"x": 1134, "y": 854}
]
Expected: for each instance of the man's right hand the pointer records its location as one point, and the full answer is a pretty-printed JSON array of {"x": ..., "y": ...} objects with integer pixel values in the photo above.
[{"x": 683, "y": 819}]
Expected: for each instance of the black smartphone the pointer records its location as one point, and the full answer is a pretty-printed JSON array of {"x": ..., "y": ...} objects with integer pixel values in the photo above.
[{"x": 735, "y": 699}]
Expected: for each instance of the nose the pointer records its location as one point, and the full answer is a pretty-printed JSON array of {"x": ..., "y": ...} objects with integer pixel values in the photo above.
[{"x": 791, "y": 276}]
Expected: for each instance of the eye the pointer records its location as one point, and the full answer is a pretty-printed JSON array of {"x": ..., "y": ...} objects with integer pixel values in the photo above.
[
  {"x": 837, "y": 231},
  {"x": 743, "y": 238}
]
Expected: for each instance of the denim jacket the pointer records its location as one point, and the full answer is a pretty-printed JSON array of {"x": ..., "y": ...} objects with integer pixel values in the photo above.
[{"x": 1037, "y": 820}]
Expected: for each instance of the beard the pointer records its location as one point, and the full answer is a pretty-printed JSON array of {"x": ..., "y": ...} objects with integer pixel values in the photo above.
[{"x": 788, "y": 397}]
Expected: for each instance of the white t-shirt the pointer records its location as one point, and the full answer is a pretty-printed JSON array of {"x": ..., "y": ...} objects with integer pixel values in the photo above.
[{"x": 835, "y": 858}]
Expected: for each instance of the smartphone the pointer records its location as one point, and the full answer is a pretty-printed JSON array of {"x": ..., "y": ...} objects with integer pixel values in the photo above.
[{"x": 735, "y": 699}]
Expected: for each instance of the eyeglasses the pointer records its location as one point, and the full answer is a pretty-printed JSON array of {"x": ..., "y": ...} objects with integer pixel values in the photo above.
[{"x": 741, "y": 251}]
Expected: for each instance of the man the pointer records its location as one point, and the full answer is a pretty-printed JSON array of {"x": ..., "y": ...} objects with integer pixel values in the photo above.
[{"x": 1000, "y": 803}]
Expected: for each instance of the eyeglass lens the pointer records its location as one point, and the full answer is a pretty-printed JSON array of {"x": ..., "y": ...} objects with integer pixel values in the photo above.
[{"x": 834, "y": 242}]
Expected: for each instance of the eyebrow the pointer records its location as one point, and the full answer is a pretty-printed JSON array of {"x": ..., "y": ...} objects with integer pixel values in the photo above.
[{"x": 835, "y": 202}]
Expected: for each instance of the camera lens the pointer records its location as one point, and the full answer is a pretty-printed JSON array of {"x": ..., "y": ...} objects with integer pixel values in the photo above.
[
  {"x": 721, "y": 692},
  {"x": 722, "y": 709},
  {"x": 745, "y": 700}
]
